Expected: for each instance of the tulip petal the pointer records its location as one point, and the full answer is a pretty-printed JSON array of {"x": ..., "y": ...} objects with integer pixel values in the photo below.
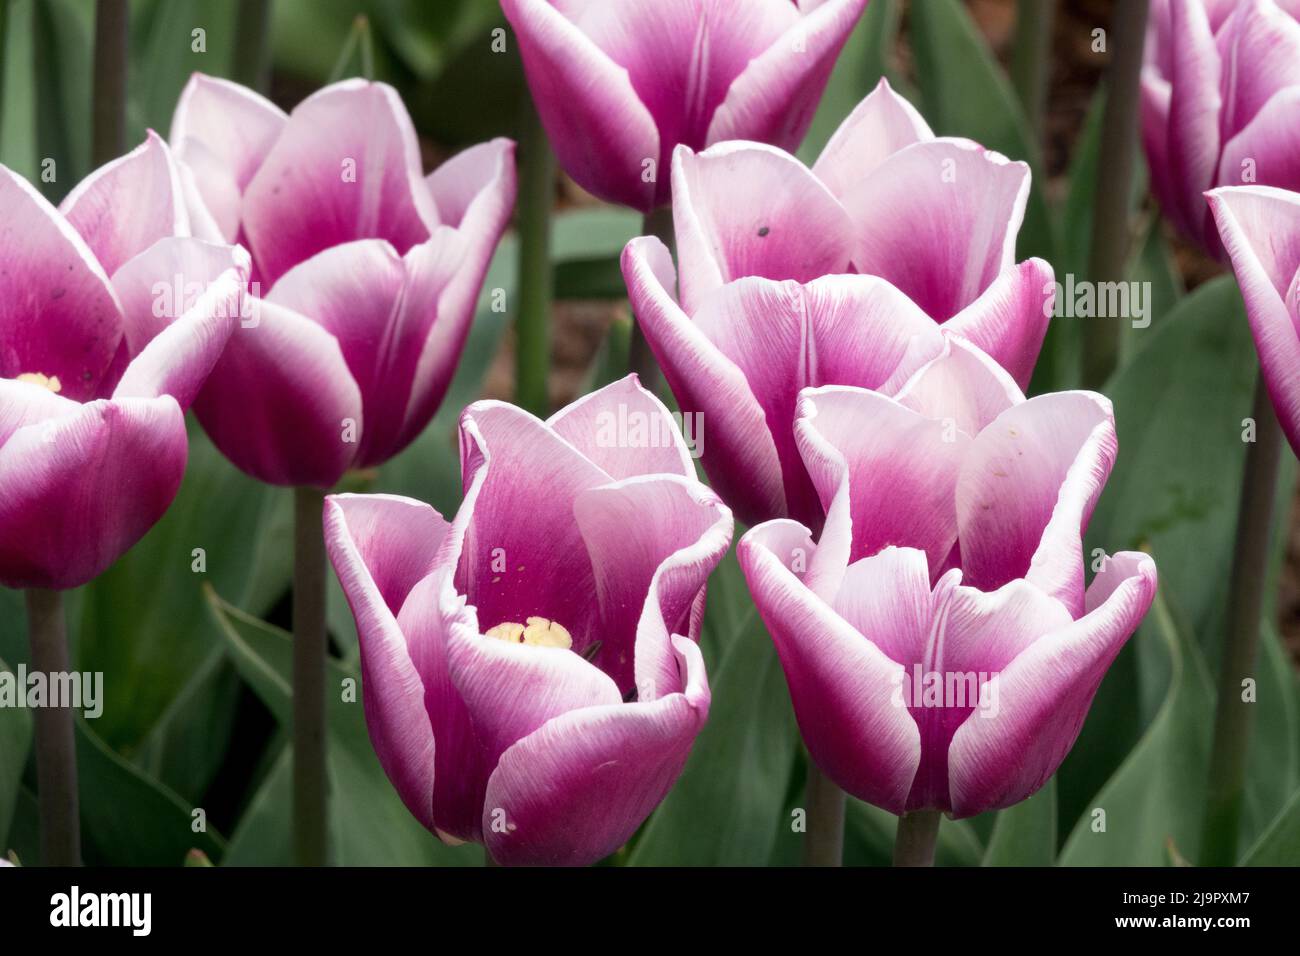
[
  {"x": 346, "y": 167},
  {"x": 1010, "y": 318},
  {"x": 599, "y": 128},
  {"x": 26, "y": 403},
  {"x": 626, "y": 431},
  {"x": 281, "y": 403},
  {"x": 1155, "y": 96},
  {"x": 747, "y": 209},
  {"x": 58, "y": 314},
  {"x": 843, "y": 687},
  {"x": 128, "y": 204},
  {"x": 939, "y": 220},
  {"x": 576, "y": 789},
  {"x": 1268, "y": 148},
  {"x": 81, "y": 489},
  {"x": 1004, "y": 755},
  {"x": 1260, "y": 49},
  {"x": 1194, "y": 108},
  {"x": 962, "y": 386},
  {"x": 739, "y": 453},
  {"x": 887, "y": 598},
  {"x": 879, "y": 126},
  {"x": 1027, "y": 490}
]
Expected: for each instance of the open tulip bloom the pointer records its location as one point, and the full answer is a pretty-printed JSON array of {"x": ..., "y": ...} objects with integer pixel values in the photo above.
[
  {"x": 372, "y": 269},
  {"x": 1220, "y": 103},
  {"x": 620, "y": 83},
  {"x": 769, "y": 303},
  {"x": 531, "y": 677},
  {"x": 939, "y": 643}
]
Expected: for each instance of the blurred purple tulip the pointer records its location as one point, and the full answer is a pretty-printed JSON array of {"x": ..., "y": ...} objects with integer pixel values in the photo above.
[
  {"x": 1260, "y": 229},
  {"x": 769, "y": 304},
  {"x": 939, "y": 644},
  {"x": 531, "y": 678},
  {"x": 373, "y": 271},
  {"x": 1220, "y": 103},
  {"x": 98, "y": 361},
  {"x": 620, "y": 83}
]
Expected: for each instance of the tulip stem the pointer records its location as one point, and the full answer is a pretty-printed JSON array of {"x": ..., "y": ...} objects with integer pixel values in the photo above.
[
  {"x": 56, "y": 743},
  {"x": 641, "y": 358},
  {"x": 918, "y": 832},
  {"x": 823, "y": 844},
  {"x": 533, "y": 324},
  {"x": 1108, "y": 252},
  {"x": 252, "y": 54},
  {"x": 310, "y": 647},
  {"x": 108, "y": 109},
  {"x": 1234, "y": 717},
  {"x": 1029, "y": 63}
]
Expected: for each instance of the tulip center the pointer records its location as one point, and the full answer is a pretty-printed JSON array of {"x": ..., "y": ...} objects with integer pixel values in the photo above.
[
  {"x": 539, "y": 632},
  {"x": 36, "y": 378}
]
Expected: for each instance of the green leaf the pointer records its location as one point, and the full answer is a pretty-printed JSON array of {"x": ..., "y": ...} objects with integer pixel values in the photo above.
[
  {"x": 15, "y": 740},
  {"x": 368, "y": 821},
  {"x": 1279, "y": 845},
  {"x": 729, "y": 804},
  {"x": 1156, "y": 800},
  {"x": 1025, "y": 835}
]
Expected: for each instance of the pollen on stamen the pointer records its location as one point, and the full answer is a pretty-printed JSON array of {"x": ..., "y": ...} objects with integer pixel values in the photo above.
[
  {"x": 538, "y": 631},
  {"x": 50, "y": 382}
]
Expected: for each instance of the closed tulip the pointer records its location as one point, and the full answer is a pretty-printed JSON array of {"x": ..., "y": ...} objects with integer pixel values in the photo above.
[
  {"x": 98, "y": 361},
  {"x": 620, "y": 83},
  {"x": 371, "y": 270},
  {"x": 530, "y": 674},
  {"x": 939, "y": 643},
  {"x": 1220, "y": 103}
]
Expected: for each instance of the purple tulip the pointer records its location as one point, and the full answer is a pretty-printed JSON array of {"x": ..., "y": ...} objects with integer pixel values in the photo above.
[
  {"x": 373, "y": 271},
  {"x": 768, "y": 306},
  {"x": 531, "y": 678},
  {"x": 620, "y": 83},
  {"x": 939, "y": 644},
  {"x": 1220, "y": 103},
  {"x": 98, "y": 361},
  {"x": 1260, "y": 229}
]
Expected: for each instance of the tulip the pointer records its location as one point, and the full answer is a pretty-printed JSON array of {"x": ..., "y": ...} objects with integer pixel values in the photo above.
[
  {"x": 530, "y": 673},
  {"x": 939, "y": 644},
  {"x": 373, "y": 271},
  {"x": 769, "y": 305},
  {"x": 619, "y": 85},
  {"x": 1220, "y": 103}
]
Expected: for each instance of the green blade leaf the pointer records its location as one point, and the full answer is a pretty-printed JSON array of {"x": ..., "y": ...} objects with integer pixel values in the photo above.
[{"x": 1025, "y": 835}]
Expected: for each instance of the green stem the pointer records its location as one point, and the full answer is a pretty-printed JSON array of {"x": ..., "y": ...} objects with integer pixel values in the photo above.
[
  {"x": 641, "y": 358},
  {"x": 108, "y": 109},
  {"x": 1117, "y": 157},
  {"x": 56, "y": 744},
  {"x": 1234, "y": 717},
  {"x": 1029, "y": 62},
  {"x": 918, "y": 832},
  {"x": 310, "y": 836},
  {"x": 252, "y": 54},
  {"x": 823, "y": 843},
  {"x": 359, "y": 43},
  {"x": 533, "y": 323}
]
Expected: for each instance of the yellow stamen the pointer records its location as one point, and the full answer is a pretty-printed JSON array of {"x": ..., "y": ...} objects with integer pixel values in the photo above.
[
  {"x": 539, "y": 632},
  {"x": 36, "y": 378}
]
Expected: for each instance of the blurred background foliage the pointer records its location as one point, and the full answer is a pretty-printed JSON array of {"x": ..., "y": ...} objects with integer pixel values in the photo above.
[{"x": 196, "y": 664}]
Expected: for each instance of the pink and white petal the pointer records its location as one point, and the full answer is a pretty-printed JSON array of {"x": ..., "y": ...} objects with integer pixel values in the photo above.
[
  {"x": 58, "y": 314},
  {"x": 1260, "y": 228},
  {"x": 879, "y": 126},
  {"x": 210, "y": 190},
  {"x": 1267, "y": 150},
  {"x": 748, "y": 209},
  {"x": 876, "y": 453},
  {"x": 380, "y": 546},
  {"x": 1027, "y": 490},
  {"x": 626, "y": 431},
  {"x": 128, "y": 204},
  {"x": 281, "y": 403},
  {"x": 887, "y": 599},
  {"x": 739, "y": 452},
  {"x": 79, "y": 490},
  {"x": 601, "y": 131},
  {"x": 26, "y": 403},
  {"x": 1194, "y": 111},
  {"x": 844, "y": 688},
  {"x": 345, "y": 167},
  {"x": 1155, "y": 94},
  {"x": 1004, "y": 754},
  {"x": 939, "y": 220},
  {"x": 653, "y": 541},
  {"x": 577, "y": 788},
  {"x": 773, "y": 100},
  {"x": 962, "y": 387},
  {"x": 1010, "y": 318},
  {"x": 1261, "y": 55}
]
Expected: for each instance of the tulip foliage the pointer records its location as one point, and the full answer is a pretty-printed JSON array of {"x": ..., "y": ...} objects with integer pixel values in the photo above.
[{"x": 866, "y": 546}]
